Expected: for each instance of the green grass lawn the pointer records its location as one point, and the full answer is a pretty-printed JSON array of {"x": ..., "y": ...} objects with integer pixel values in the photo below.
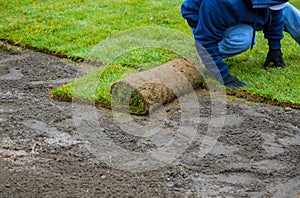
[
  {"x": 76, "y": 27},
  {"x": 280, "y": 84}
]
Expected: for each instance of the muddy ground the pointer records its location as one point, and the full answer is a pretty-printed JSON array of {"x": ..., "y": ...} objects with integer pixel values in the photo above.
[{"x": 42, "y": 153}]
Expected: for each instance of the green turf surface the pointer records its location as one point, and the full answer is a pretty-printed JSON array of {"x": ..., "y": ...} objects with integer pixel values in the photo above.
[
  {"x": 280, "y": 84},
  {"x": 95, "y": 85},
  {"x": 76, "y": 27}
]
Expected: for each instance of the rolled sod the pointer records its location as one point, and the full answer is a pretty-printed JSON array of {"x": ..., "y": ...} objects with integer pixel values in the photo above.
[{"x": 141, "y": 92}]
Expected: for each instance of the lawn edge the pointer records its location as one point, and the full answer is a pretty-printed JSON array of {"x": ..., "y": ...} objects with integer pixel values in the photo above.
[{"x": 242, "y": 94}]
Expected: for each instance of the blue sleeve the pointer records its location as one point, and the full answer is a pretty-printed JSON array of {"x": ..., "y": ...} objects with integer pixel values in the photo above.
[{"x": 274, "y": 30}]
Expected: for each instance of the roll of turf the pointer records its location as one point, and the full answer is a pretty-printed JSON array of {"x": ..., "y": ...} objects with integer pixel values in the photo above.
[{"x": 140, "y": 92}]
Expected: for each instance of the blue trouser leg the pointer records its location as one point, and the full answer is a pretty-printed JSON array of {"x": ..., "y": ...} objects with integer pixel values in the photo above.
[
  {"x": 292, "y": 21},
  {"x": 237, "y": 39}
]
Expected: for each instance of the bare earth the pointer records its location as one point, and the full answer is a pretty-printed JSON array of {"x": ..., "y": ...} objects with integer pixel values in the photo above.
[{"x": 43, "y": 155}]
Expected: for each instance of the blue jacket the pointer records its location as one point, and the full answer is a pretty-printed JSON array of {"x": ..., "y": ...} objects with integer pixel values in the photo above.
[{"x": 210, "y": 18}]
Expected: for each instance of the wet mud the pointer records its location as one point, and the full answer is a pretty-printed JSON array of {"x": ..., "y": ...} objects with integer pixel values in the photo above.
[{"x": 44, "y": 154}]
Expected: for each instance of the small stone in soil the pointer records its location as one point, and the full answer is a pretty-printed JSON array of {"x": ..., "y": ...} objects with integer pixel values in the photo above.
[{"x": 170, "y": 185}]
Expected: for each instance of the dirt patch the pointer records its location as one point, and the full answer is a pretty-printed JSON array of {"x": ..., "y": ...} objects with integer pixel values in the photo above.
[{"x": 43, "y": 154}]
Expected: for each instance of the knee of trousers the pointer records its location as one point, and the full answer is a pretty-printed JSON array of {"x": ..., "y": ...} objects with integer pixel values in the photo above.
[
  {"x": 241, "y": 41},
  {"x": 236, "y": 44}
]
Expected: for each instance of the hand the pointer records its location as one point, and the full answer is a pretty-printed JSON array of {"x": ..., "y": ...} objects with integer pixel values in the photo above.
[
  {"x": 274, "y": 56},
  {"x": 233, "y": 83}
]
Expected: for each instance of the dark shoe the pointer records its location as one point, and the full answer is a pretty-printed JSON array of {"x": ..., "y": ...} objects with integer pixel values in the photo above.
[{"x": 233, "y": 83}]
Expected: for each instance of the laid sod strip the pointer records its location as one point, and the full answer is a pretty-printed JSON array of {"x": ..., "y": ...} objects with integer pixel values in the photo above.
[
  {"x": 159, "y": 85},
  {"x": 95, "y": 86}
]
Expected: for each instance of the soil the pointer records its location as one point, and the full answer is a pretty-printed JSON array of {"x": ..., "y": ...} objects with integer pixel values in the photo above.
[{"x": 44, "y": 154}]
